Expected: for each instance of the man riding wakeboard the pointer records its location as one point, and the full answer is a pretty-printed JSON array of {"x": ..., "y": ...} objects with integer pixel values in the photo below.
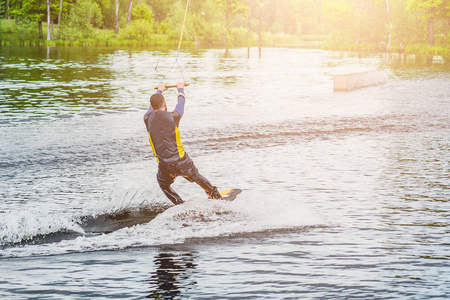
[{"x": 164, "y": 137}]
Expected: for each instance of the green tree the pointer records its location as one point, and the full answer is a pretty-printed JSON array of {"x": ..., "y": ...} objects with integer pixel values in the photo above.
[
  {"x": 2, "y": 16},
  {"x": 24, "y": 30},
  {"x": 130, "y": 7},
  {"x": 231, "y": 8},
  {"x": 84, "y": 16},
  {"x": 202, "y": 22},
  {"x": 341, "y": 19},
  {"x": 377, "y": 23},
  {"x": 305, "y": 16},
  {"x": 390, "y": 24},
  {"x": 3, "y": 6},
  {"x": 408, "y": 26},
  {"x": 142, "y": 12},
  {"x": 431, "y": 9},
  {"x": 141, "y": 24},
  {"x": 107, "y": 10},
  {"x": 49, "y": 19},
  {"x": 162, "y": 8},
  {"x": 59, "y": 18},
  {"x": 4, "y": 9},
  {"x": 34, "y": 10},
  {"x": 116, "y": 16}
]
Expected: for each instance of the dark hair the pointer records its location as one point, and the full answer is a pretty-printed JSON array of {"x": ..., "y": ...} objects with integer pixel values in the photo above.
[{"x": 157, "y": 101}]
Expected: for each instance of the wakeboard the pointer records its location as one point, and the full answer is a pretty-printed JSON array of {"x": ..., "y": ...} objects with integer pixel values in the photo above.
[{"x": 230, "y": 195}]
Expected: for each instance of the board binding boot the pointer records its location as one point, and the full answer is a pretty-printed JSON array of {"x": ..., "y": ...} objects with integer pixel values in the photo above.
[{"x": 215, "y": 194}]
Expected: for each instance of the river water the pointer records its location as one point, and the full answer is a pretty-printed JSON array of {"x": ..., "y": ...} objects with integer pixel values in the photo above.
[{"x": 345, "y": 195}]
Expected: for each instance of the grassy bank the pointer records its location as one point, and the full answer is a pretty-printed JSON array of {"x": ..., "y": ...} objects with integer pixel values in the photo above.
[
  {"x": 23, "y": 34},
  {"x": 417, "y": 48},
  {"x": 12, "y": 34}
]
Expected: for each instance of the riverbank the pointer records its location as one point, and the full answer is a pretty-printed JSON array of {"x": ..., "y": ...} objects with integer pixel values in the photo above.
[
  {"x": 13, "y": 35},
  {"x": 417, "y": 48}
]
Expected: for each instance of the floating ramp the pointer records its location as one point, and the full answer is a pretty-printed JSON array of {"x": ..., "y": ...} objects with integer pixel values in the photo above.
[{"x": 348, "y": 82}]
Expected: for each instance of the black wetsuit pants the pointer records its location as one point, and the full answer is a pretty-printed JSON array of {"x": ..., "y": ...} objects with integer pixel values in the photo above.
[{"x": 167, "y": 172}]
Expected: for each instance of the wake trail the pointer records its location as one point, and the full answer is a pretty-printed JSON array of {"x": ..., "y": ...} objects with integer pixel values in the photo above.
[{"x": 196, "y": 219}]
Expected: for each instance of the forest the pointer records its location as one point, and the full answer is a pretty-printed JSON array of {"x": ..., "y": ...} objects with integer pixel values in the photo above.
[{"x": 383, "y": 25}]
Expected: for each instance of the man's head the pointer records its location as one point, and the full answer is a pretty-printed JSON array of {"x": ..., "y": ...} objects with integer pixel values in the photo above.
[{"x": 157, "y": 102}]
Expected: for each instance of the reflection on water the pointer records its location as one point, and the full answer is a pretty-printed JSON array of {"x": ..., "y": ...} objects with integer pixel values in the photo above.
[
  {"x": 415, "y": 65},
  {"x": 42, "y": 82},
  {"x": 172, "y": 275},
  {"x": 402, "y": 65},
  {"x": 38, "y": 83}
]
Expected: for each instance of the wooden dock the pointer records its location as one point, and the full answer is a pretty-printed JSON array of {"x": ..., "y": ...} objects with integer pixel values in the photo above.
[{"x": 348, "y": 82}]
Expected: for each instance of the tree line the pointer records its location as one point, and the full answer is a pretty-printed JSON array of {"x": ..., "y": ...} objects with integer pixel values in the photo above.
[{"x": 372, "y": 24}]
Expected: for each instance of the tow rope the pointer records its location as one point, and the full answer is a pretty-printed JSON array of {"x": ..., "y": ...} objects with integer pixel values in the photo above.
[{"x": 178, "y": 52}]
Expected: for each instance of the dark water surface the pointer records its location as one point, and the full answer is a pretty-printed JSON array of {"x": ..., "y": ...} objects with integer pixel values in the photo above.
[{"x": 346, "y": 195}]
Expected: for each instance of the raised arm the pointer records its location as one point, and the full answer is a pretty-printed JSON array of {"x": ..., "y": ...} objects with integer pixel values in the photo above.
[{"x": 181, "y": 99}]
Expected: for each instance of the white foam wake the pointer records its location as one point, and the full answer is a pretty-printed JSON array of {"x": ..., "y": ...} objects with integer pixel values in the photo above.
[
  {"x": 18, "y": 226},
  {"x": 197, "y": 218}
]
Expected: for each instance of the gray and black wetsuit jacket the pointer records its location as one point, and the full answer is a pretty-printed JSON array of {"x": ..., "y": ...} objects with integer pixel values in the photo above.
[{"x": 163, "y": 132}]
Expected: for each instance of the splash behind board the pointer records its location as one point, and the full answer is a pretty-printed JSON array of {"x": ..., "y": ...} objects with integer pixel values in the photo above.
[
  {"x": 106, "y": 223},
  {"x": 230, "y": 195}
]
